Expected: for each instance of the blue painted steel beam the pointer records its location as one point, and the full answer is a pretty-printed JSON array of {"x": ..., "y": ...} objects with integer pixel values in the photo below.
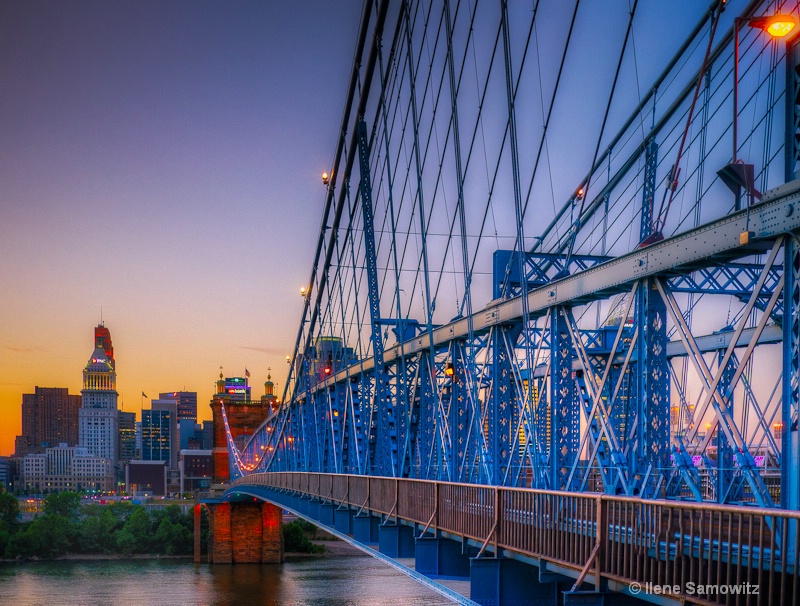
[
  {"x": 729, "y": 278},
  {"x": 386, "y": 454},
  {"x": 652, "y": 394},
  {"x": 790, "y": 409},
  {"x": 502, "y": 414},
  {"x": 565, "y": 414}
]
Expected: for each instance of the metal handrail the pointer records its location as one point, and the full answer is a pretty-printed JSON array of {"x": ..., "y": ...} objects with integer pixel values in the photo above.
[{"x": 604, "y": 539}]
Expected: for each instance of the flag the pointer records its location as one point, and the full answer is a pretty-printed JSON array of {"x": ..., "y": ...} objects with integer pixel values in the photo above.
[
  {"x": 144, "y": 395},
  {"x": 246, "y": 372}
]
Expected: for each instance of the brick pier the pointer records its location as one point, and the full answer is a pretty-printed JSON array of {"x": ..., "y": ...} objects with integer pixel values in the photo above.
[{"x": 241, "y": 533}]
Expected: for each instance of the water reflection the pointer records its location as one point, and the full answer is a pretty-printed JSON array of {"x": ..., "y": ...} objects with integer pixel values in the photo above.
[{"x": 316, "y": 581}]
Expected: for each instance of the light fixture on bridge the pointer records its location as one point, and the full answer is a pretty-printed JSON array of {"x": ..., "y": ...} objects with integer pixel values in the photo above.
[
  {"x": 776, "y": 26},
  {"x": 733, "y": 175},
  {"x": 325, "y": 178},
  {"x": 449, "y": 370},
  {"x": 303, "y": 293}
]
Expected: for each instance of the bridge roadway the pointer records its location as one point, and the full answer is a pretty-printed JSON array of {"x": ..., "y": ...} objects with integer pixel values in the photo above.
[{"x": 664, "y": 552}]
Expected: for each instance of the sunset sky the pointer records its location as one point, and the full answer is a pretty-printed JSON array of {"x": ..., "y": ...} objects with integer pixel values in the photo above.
[{"x": 160, "y": 168}]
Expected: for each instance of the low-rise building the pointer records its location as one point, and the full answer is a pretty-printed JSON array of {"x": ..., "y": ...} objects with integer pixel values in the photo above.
[
  {"x": 197, "y": 468},
  {"x": 146, "y": 477},
  {"x": 66, "y": 468}
]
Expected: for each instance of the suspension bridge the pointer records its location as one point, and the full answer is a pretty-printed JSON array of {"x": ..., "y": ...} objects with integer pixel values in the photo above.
[{"x": 550, "y": 339}]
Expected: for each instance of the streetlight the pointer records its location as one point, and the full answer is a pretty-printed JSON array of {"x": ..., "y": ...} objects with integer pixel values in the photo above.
[
  {"x": 325, "y": 178},
  {"x": 737, "y": 175},
  {"x": 776, "y": 26}
]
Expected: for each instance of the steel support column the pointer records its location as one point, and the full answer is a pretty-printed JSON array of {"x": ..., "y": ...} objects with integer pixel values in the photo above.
[
  {"x": 502, "y": 407},
  {"x": 565, "y": 410},
  {"x": 652, "y": 401},
  {"x": 724, "y": 452},
  {"x": 431, "y": 462},
  {"x": 790, "y": 445}
]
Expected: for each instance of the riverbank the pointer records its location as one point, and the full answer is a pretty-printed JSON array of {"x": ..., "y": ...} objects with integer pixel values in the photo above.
[
  {"x": 333, "y": 548},
  {"x": 95, "y": 557}
]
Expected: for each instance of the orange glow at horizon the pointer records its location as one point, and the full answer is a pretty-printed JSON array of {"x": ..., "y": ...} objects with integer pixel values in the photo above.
[{"x": 56, "y": 355}]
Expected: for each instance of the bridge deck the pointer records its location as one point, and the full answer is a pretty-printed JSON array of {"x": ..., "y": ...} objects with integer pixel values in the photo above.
[{"x": 665, "y": 543}]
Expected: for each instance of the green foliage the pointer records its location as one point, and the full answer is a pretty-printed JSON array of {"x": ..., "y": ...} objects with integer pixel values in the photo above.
[
  {"x": 173, "y": 539},
  {"x": 5, "y": 537},
  {"x": 296, "y": 539},
  {"x": 65, "y": 504},
  {"x": 135, "y": 535},
  {"x": 46, "y": 537},
  {"x": 9, "y": 518},
  {"x": 309, "y": 528},
  {"x": 98, "y": 529},
  {"x": 9, "y": 510}
]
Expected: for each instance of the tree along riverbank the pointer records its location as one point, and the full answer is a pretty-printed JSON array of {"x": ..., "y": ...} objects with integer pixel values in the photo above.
[{"x": 115, "y": 530}]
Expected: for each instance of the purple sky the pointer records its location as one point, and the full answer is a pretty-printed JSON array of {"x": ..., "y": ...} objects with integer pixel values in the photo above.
[{"x": 161, "y": 161}]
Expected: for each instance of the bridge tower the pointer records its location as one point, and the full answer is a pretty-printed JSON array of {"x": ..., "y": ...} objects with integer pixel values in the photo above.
[{"x": 244, "y": 417}]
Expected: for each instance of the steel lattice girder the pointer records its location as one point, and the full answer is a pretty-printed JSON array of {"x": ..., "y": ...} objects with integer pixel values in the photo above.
[
  {"x": 731, "y": 278},
  {"x": 709, "y": 244}
]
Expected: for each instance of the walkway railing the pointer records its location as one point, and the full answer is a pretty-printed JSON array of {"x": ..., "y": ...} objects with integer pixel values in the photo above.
[{"x": 697, "y": 552}]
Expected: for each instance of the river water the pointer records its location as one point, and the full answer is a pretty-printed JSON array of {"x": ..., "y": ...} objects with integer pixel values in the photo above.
[{"x": 356, "y": 580}]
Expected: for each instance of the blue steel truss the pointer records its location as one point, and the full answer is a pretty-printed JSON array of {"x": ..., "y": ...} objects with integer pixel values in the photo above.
[{"x": 510, "y": 308}]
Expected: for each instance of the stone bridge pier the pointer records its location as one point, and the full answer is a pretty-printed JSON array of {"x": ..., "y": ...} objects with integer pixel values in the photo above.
[{"x": 241, "y": 533}]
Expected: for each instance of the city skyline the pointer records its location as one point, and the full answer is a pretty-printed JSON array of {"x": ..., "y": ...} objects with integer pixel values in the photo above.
[
  {"x": 162, "y": 174},
  {"x": 161, "y": 164}
]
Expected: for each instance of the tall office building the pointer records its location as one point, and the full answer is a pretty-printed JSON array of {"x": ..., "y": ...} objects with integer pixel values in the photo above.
[
  {"x": 98, "y": 418},
  {"x": 208, "y": 435},
  {"x": 188, "y": 431},
  {"x": 138, "y": 440},
  {"x": 49, "y": 418},
  {"x": 127, "y": 436},
  {"x": 160, "y": 433},
  {"x": 187, "y": 403}
]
